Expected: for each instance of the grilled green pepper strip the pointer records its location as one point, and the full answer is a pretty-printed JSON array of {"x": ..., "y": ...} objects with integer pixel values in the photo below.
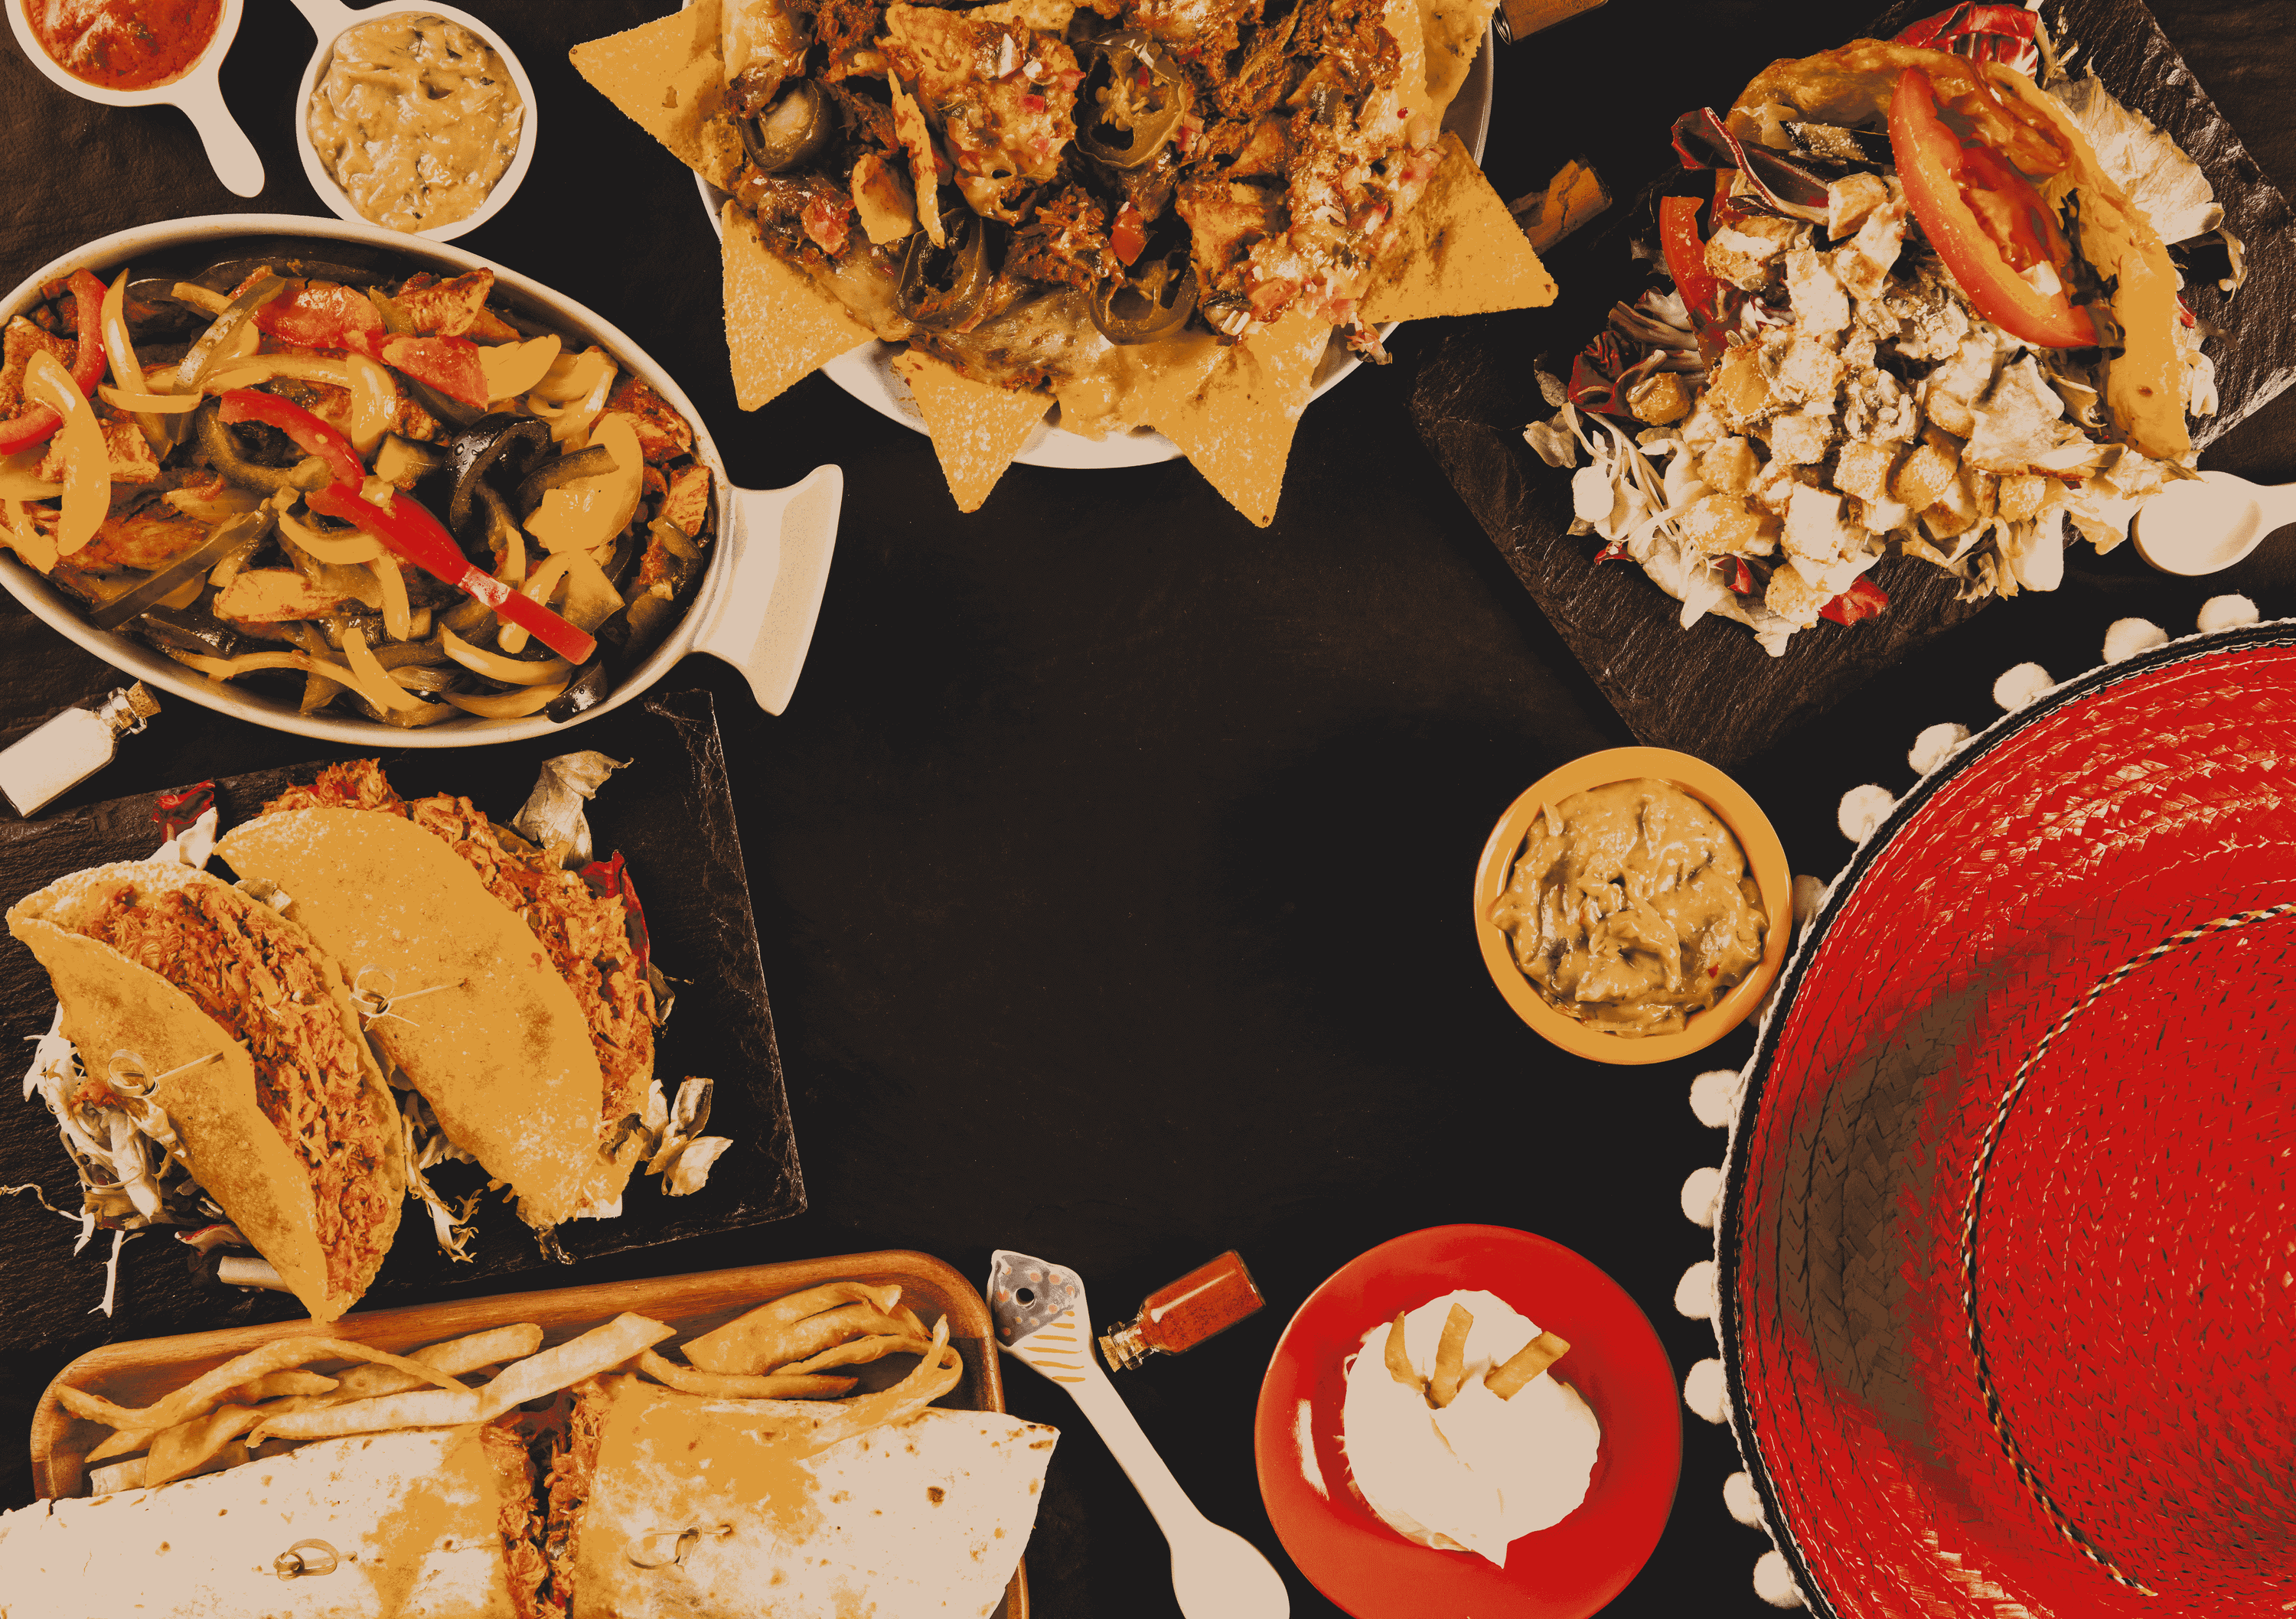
[{"x": 248, "y": 530}]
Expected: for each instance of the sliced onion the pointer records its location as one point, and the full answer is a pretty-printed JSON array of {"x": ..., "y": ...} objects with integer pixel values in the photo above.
[
  {"x": 398, "y": 614},
  {"x": 510, "y": 705},
  {"x": 149, "y": 405},
  {"x": 18, "y": 530},
  {"x": 237, "y": 316},
  {"x": 345, "y": 552},
  {"x": 88, "y": 463},
  {"x": 511, "y": 671},
  {"x": 375, "y": 403},
  {"x": 270, "y": 367},
  {"x": 369, "y": 677}
]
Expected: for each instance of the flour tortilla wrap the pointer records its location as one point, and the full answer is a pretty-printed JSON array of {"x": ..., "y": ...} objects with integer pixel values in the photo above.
[
  {"x": 481, "y": 1024},
  {"x": 926, "y": 1516},
  {"x": 1851, "y": 86},
  {"x": 414, "y": 1521},
  {"x": 323, "y": 1215}
]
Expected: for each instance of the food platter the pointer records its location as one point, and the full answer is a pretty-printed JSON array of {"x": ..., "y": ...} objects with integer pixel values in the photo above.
[
  {"x": 671, "y": 815},
  {"x": 2031, "y": 1026},
  {"x": 1615, "y": 1363}
]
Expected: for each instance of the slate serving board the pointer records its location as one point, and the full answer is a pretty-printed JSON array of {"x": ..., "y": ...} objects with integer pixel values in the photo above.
[
  {"x": 1711, "y": 689},
  {"x": 671, "y": 813}
]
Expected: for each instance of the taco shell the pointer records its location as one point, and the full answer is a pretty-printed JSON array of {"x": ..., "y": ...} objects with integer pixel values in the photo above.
[
  {"x": 481, "y": 1024},
  {"x": 114, "y": 1004}
]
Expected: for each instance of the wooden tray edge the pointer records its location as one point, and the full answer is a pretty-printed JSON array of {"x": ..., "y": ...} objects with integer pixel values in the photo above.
[{"x": 55, "y": 1471}]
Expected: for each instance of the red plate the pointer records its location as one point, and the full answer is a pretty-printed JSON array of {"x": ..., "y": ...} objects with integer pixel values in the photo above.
[{"x": 1616, "y": 1363}]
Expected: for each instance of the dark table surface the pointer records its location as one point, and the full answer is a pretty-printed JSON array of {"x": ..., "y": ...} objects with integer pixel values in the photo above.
[{"x": 1111, "y": 862}]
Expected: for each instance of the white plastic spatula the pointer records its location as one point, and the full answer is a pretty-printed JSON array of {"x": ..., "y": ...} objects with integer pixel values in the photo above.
[{"x": 1043, "y": 1322}]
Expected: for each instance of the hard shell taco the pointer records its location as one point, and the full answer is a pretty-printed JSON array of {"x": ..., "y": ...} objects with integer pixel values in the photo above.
[{"x": 231, "y": 1035}]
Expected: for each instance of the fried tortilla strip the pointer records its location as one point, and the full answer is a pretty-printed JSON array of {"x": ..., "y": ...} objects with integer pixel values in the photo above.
[
  {"x": 779, "y": 326},
  {"x": 1527, "y": 1362},
  {"x": 666, "y": 76},
  {"x": 123, "y": 1441},
  {"x": 941, "y": 1370},
  {"x": 1450, "y": 1358},
  {"x": 799, "y": 1341},
  {"x": 424, "y": 1408},
  {"x": 188, "y": 1447},
  {"x": 202, "y": 1395},
  {"x": 278, "y": 1384},
  {"x": 1237, "y": 428},
  {"x": 730, "y": 1348},
  {"x": 459, "y": 1356},
  {"x": 724, "y": 1386},
  {"x": 857, "y": 1352},
  {"x": 977, "y": 427},
  {"x": 119, "y": 1475},
  {"x": 1398, "y": 1358},
  {"x": 1458, "y": 252},
  {"x": 598, "y": 1350}
]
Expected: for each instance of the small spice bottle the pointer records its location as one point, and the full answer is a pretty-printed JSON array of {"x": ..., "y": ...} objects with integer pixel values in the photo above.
[
  {"x": 1182, "y": 1314},
  {"x": 42, "y": 767}
]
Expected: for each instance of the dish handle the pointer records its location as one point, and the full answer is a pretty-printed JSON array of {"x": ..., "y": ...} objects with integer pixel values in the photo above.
[
  {"x": 228, "y": 149},
  {"x": 763, "y": 618}
]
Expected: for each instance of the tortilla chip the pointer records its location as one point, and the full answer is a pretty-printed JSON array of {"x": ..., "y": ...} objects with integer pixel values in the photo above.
[
  {"x": 977, "y": 427},
  {"x": 1458, "y": 252},
  {"x": 779, "y": 326},
  {"x": 666, "y": 76},
  {"x": 1574, "y": 196},
  {"x": 1237, "y": 428},
  {"x": 1453, "y": 31}
]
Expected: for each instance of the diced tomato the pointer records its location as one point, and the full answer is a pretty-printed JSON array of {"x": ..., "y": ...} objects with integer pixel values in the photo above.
[
  {"x": 1686, "y": 255},
  {"x": 1986, "y": 220},
  {"x": 1128, "y": 236},
  {"x": 829, "y": 223},
  {"x": 1862, "y": 600},
  {"x": 449, "y": 364},
  {"x": 323, "y": 315}
]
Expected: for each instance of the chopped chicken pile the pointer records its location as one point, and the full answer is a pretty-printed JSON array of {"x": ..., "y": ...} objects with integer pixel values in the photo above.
[{"x": 1861, "y": 407}]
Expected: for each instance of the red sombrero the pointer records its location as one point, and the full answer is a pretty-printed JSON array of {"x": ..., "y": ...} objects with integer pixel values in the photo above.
[{"x": 2009, "y": 1246}]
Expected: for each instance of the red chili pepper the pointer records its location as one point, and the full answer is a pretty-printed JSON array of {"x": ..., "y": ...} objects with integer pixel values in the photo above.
[
  {"x": 1685, "y": 254},
  {"x": 173, "y": 811},
  {"x": 312, "y": 435},
  {"x": 417, "y": 536},
  {"x": 37, "y": 422},
  {"x": 1862, "y": 600},
  {"x": 611, "y": 878}
]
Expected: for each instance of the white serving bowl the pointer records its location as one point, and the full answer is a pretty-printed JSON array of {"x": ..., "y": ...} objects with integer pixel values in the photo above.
[
  {"x": 329, "y": 19},
  {"x": 197, "y": 90},
  {"x": 755, "y": 606}
]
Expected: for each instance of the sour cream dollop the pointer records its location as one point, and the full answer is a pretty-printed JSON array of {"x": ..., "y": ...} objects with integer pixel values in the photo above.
[{"x": 1482, "y": 1472}]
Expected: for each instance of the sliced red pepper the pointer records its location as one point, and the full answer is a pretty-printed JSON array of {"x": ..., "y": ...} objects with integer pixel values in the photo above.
[
  {"x": 324, "y": 314},
  {"x": 417, "y": 536},
  {"x": 1862, "y": 600},
  {"x": 2005, "y": 34},
  {"x": 312, "y": 435},
  {"x": 449, "y": 364},
  {"x": 37, "y": 422},
  {"x": 611, "y": 878},
  {"x": 173, "y": 811},
  {"x": 1128, "y": 236},
  {"x": 1686, "y": 255}
]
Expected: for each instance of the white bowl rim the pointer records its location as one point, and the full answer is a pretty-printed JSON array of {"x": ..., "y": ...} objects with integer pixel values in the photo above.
[
  {"x": 201, "y": 74},
  {"x": 138, "y": 662},
  {"x": 337, "y": 201}
]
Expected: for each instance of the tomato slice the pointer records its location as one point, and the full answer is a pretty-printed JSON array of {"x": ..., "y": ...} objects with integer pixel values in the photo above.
[
  {"x": 1978, "y": 211},
  {"x": 1686, "y": 255}
]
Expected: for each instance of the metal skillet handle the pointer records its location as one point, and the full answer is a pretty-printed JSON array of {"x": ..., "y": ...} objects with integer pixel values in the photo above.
[{"x": 761, "y": 620}]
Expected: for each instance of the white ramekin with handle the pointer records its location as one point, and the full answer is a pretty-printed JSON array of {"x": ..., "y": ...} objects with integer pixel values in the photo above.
[{"x": 755, "y": 607}]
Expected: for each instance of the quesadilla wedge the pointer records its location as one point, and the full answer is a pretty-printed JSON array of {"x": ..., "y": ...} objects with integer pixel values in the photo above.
[
  {"x": 226, "y": 1028},
  {"x": 664, "y": 1502},
  {"x": 428, "y": 910},
  {"x": 431, "y": 1524}
]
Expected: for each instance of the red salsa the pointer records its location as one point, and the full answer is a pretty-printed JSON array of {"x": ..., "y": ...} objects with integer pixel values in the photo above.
[{"x": 123, "y": 45}]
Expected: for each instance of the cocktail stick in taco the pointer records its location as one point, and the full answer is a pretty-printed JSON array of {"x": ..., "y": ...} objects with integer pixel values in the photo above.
[
  {"x": 432, "y": 1521},
  {"x": 518, "y": 1003},
  {"x": 229, "y": 1035}
]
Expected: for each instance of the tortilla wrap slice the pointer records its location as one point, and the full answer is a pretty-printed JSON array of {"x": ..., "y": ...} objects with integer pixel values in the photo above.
[
  {"x": 416, "y": 1523},
  {"x": 480, "y": 1023},
  {"x": 926, "y": 1516},
  {"x": 1851, "y": 86},
  {"x": 236, "y": 1003}
]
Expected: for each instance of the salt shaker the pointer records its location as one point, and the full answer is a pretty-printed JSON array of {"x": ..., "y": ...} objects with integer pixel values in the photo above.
[
  {"x": 41, "y": 767},
  {"x": 1182, "y": 1314}
]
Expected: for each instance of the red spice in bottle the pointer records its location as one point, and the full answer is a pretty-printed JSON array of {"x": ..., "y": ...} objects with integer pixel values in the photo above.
[{"x": 1179, "y": 1316}]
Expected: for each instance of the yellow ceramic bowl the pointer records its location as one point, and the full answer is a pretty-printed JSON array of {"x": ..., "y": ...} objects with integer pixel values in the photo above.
[{"x": 1766, "y": 856}]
